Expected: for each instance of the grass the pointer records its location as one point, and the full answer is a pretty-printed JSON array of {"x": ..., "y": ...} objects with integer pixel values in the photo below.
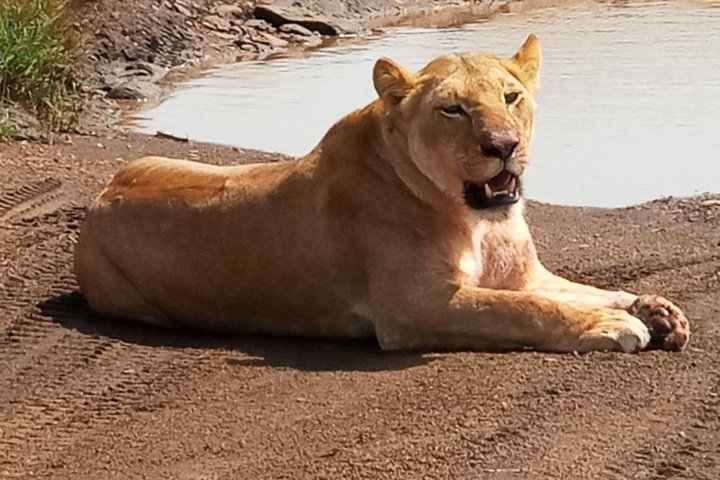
[
  {"x": 37, "y": 53},
  {"x": 7, "y": 132}
]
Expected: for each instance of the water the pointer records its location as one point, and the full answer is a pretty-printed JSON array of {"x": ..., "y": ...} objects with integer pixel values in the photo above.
[{"x": 629, "y": 108}]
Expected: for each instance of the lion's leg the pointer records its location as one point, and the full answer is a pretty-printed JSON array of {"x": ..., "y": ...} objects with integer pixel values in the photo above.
[
  {"x": 669, "y": 328},
  {"x": 485, "y": 319},
  {"x": 110, "y": 292},
  {"x": 548, "y": 285}
]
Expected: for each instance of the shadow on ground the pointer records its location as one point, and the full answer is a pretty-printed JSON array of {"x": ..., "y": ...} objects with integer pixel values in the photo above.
[{"x": 309, "y": 354}]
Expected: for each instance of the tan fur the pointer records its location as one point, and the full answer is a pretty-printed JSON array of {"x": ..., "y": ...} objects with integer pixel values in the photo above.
[{"x": 368, "y": 234}]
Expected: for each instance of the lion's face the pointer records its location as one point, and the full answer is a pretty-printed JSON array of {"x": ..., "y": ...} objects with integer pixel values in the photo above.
[{"x": 465, "y": 121}]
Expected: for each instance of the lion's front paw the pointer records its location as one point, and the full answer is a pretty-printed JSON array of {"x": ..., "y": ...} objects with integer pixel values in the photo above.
[
  {"x": 669, "y": 328},
  {"x": 617, "y": 331}
]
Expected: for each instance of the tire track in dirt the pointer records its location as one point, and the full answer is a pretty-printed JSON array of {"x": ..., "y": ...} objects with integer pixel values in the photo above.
[
  {"x": 43, "y": 246},
  {"x": 31, "y": 199},
  {"x": 27, "y": 333},
  {"x": 72, "y": 380},
  {"x": 60, "y": 378},
  {"x": 63, "y": 379}
]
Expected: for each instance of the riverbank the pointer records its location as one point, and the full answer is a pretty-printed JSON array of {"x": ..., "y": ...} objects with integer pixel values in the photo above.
[{"x": 136, "y": 53}]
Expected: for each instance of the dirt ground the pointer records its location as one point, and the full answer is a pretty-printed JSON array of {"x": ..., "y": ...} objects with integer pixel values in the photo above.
[
  {"x": 82, "y": 397},
  {"x": 86, "y": 398}
]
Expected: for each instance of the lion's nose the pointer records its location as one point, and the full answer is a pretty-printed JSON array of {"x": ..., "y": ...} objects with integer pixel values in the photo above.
[{"x": 500, "y": 143}]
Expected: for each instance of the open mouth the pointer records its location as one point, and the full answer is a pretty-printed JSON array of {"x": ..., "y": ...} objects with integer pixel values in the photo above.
[{"x": 502, "y": 189}]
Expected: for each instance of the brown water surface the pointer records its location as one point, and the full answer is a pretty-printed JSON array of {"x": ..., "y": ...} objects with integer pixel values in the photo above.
[{"x": 629, "y": 109}]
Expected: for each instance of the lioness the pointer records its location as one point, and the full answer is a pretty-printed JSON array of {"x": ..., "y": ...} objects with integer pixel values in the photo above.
[{"x": 404, "y": 223}]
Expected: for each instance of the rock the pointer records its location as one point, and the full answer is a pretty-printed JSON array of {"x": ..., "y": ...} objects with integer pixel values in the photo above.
[
  {"x": 144, "y": 69},
  {"x": 247, "y": 47},
  {"x": 311, "y": 41},
  {"x": 214, "y": 22},
  {"x": 229, "y": 11},
  {"x": 130, "y": 53},
  {"x": 183, "y": 10},
  {"x": 258, "y": 24},
  {"x": 253, "y": 46},
  {"x": 295, "y": 29},
  {"x": 272, "y": 40},
  {"x": 314, "y": 41},
  {"x": 226, "y": 36},
  {"x": 278, "y": 16},
  {"x": 134, "y": 89},
  {"x": 23, "y": 125}
]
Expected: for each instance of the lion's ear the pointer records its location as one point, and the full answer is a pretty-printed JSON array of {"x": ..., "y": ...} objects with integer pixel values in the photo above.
[
  {"x": 391, "y": 81},
  {"x": 525, "y": 64}
]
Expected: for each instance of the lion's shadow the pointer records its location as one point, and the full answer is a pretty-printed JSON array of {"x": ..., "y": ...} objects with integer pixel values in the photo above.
[{"x": 309, "y": 354}]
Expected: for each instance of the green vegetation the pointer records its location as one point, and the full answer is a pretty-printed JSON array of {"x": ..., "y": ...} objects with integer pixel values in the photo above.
[
  {"x": 37, "y": 54},
  {"x": 6, "y": 131}
]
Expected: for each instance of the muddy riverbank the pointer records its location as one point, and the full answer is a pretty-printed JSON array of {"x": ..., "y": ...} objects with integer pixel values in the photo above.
[
  {"x": 133, "y": 52},
  {"x": 136, "y": 51}
]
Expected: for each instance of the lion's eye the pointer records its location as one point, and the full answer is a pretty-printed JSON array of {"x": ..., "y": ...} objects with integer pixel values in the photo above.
[
  {"x": 511, "y": 98},
  {"x": 452, "y": 111}
]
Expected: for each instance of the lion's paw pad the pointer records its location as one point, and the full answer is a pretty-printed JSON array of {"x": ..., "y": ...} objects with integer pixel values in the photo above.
[{"x": 669, "y": 328}]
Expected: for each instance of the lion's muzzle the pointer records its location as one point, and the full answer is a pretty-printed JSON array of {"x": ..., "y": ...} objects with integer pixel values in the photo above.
[{"x": 500, "y": 143}]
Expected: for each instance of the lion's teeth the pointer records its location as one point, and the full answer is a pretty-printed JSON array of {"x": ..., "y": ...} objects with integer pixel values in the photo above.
[{"x": 508, "y": 190}]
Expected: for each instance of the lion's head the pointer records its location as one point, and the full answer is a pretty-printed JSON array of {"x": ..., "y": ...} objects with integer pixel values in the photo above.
[{"x": 465, "y": 121}]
